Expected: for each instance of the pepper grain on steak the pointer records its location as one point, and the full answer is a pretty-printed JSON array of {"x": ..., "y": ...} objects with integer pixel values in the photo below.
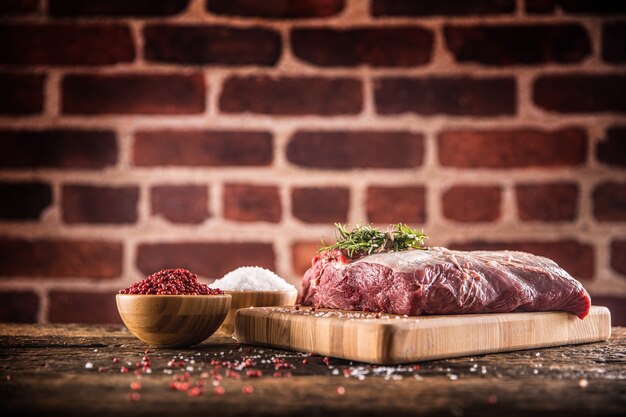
[{"x": 442, "y": 281}]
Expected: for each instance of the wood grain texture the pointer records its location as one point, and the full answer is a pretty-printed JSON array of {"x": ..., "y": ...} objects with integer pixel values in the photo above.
[
  {"x": 397, "y": 339},
  {"x": 245, "y": 299},
  {"x": 172, "y": 320},
  {"x": 49, "y": 378}
]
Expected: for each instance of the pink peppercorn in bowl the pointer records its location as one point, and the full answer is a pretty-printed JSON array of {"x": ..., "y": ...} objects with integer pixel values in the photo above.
[{"x": 171, "y": 308}]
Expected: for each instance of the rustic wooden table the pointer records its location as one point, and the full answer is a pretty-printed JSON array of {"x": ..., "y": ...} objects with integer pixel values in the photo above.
[{"x": 67, "y": 370}]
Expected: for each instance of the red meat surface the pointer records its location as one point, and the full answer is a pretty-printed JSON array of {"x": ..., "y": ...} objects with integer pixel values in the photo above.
[{"x": 443, "y": 281}]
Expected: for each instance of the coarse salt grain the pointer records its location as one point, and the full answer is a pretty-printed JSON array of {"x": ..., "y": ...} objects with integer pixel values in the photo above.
[{"x": 252, "y": 278}]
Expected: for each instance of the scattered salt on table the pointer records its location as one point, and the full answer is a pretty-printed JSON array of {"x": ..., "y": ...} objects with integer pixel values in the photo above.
[{"x": 252, "y": 278}]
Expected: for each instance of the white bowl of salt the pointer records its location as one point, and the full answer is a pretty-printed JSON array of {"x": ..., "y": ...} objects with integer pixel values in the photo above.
[{"x": 253, "y": 286}]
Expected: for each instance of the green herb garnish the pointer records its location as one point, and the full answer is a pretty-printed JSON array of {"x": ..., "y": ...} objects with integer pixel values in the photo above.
[{"x": 366, "y": 239}]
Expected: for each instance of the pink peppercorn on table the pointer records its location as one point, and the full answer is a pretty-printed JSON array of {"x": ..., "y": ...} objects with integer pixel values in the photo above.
[{"x": 102, "y": 370}]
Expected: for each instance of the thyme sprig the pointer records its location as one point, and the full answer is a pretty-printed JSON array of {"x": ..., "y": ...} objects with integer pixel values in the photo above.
[{"x": 366, "y": 240}]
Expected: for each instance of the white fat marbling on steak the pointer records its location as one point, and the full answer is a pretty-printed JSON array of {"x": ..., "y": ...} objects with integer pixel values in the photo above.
[{"x": 407, "y": 261}]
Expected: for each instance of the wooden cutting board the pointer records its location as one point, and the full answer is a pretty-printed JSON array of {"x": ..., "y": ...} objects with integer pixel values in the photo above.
[{"x": 390, "y": 339}]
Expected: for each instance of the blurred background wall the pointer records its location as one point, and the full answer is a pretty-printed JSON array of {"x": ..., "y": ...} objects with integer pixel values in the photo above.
[{"x": 138, "y": 135}]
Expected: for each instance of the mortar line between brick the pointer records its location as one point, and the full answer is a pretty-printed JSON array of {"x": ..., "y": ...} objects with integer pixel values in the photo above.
[
  {"x": 357, "y": 212},
  {"x": 508, "y": 208},
  {"x": 291, "y": 66},
  {"x": 130, "y": 273},
  {"x": 214, "y": 85},
  {"x": 197, "y": 15},
  {"x": 282, "y": 255},
  {"x": 52, "y": 94},
  {"x": 369, "y": 106},
  {"x": 519, "y": 9},
  {"x": 125, "y": 140},
  {"x": 136, "y": 30},
  {"x": 542, "y": 119},
  {"x": 297, "y": 176},
  {"x": 44, "y": 304},
  {"x": 195, "y": 8}
]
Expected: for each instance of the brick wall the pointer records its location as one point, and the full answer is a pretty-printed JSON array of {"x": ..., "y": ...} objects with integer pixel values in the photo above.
[{"x": 137, "y": 135}]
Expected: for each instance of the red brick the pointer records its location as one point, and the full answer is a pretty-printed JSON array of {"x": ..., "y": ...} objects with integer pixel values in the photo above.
[
  {"x": 211, "y": 260},
  {"x": 21, "y": 94},
  {"x": 443, "y": 8},
  {"x": 614, "y": 42},
  {"x": 144, "y": 8},
  {"x": 618, "y": 257},
  {"x": 356, "y": 149},
  {"x": 202, "y": 148},
  {"x": 575, "y": 257},
  {"x": 615, "y": 304},
  {"x": 512, "y": 148},
  {"x": 57, "y": 148},
  {"x": 397, "y": 46},
  {"x": 136, "y": 93},
  {"x": 180, "y": 203},
  {"x": 18, "y": 307},
  {"x": 277, "y": 9},
  {"x": 302, "y": 253},
  {"x": 60, "y": 258},
  {"x": 592, "y": 7},
  {"x": 96, "y": 204},
  {"x": 83, "y": 307},
  {"x": 396, "y": 204},
  {"x": 320, "y": 205},
  {"x": 222, "y": 45},
  {"x": 461, "y": 96},
  {"x": 65, "y": 44},
  {"x": 472, "y": 203},
  {"x": 24, "y": 200},
  {"x": 251, "y": 203},
  {"x": 534, "y": 44},
  {"x": 291, "y": 96},
  {"x": 612, "y": 150},
  {"x": 609, "y": 202},
  {"x": 580, "y": 93},
  {"x": 18, "y": 7},
  {"x": 547, "y": 202}
]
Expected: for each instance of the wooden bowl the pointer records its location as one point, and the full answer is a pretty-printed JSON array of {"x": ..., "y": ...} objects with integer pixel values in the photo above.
[
  {"x": 172, "y": 320},
  {"x": 245, "y": 299}
]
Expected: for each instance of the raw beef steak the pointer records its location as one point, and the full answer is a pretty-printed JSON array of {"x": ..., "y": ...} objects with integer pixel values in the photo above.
[{"x": 443, "y": 281}]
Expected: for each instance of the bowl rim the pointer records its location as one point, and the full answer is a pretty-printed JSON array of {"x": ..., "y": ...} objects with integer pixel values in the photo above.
[
  {"x": 176, "y": 295},
  {"x": 228, "y": 292}
]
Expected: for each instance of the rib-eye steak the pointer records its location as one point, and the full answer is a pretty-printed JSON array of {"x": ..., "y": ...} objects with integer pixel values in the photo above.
[{"x": 442, "y": 281}]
